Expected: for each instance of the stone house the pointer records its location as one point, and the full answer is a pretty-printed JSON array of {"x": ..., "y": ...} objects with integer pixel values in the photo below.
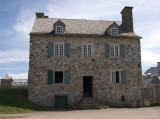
[{"x": 84, "y": 63}]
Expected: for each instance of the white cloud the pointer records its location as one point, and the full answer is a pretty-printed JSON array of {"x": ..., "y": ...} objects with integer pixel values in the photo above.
[
  {"x": 153, "y": 41},
  {"x": 14, "y": 56},
  {"x": 24, "y": 22},
  {"x": 97, "y": 9},
  {"x": 150, "y": 57},
  {"x": 19, "y": 75}
]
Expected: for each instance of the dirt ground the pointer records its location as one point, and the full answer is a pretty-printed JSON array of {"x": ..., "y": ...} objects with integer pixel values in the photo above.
[{"x": 111, "y": 113}]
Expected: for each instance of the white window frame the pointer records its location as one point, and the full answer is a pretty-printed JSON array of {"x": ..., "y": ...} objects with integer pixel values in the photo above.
[
  {"x": 87, "y": 52},
  {"x": 55, "y": 76},
  {"x": 59, "y": 51},
  {"x": 113, "y": 50},
  {"x": 114, "y": 31},
  {"x": 111, "y": 78},
  {"x": 62, "y": 30}
]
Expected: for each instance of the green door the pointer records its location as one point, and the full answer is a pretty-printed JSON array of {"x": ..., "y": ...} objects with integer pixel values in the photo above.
[{"x": 60, "y": 102}]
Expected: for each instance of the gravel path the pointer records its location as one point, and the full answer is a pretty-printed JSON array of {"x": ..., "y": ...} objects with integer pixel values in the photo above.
[{"x": 112, "y": 113}]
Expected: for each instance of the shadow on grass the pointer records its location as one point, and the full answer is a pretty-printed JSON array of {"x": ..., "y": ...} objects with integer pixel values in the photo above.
[{"x": 14, "y": 100}]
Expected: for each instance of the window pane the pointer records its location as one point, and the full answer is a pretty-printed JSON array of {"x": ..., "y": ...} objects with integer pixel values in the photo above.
[
  {"x": 112, "y": 50},
  {"x": 59, "y": 29},
  {"x": 85, "y": 50},
  {"x": 114, "y": 31},
  {"x": 113, "y": 77},
  {"x": 116, "y": 50},
  {"x": 89, "y": 50},
  {"x": 61, "y": 49},
  {"x": 56, "y": 49}
]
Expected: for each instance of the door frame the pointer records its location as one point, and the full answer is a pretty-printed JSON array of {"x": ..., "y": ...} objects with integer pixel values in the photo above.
[{"x": 88, "y": 94}]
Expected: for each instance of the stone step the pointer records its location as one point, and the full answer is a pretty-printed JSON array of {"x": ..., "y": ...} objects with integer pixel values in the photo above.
[{"x": 88, "y": 103}]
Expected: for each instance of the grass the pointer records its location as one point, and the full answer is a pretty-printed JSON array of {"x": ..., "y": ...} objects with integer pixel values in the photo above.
[
  {"x": 155, "y": 105},
  {"x": 13, "y": 101}
]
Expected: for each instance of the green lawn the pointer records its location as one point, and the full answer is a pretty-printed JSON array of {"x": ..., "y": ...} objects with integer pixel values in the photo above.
[{"x": 15, "y": 100}]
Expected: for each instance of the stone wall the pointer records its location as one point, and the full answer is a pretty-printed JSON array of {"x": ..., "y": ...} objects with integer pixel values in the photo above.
[{"x": 97, "y": 66}]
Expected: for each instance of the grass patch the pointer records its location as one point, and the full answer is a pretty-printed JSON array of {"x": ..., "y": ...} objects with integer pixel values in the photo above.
[
  {"x": 14, "y": 100},
  {"x": 154, "y": 105}
]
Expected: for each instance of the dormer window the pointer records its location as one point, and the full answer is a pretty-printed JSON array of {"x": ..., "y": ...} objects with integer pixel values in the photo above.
[
  {"x": 59, "y": 29},
  {"x": 114, "y": 31}
]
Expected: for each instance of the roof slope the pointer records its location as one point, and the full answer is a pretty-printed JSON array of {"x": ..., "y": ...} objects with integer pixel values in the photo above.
[
  {"x": 147, "y": 80},
  {"x": 74, "y": 26},
  {"x": 153, "y": 70}
]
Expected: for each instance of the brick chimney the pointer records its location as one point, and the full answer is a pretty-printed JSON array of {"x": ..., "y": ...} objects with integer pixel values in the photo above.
[{"x": 127, "y": 19}]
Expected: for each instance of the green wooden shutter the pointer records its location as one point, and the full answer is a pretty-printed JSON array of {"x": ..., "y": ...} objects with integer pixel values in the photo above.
[
  {"x": 50, "y": 49},
  {"x": 122, "y": 50},
  {"x": 123, "y": 76},
  {"x": 50, "y": 76},
  {"x": 67, "y": 49},
  {"x": 107, "y": 50},
  {"x": 66, "y": 76}
]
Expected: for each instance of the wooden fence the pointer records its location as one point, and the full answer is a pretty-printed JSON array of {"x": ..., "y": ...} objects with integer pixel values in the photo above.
[
  {"x": 151, "y": 94},
  {"x": 13, "y": 83}
]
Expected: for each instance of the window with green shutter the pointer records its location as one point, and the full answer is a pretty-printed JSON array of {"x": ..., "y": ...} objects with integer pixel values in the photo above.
[
  {"x": 67, "y": 49},
  {"x": 122, "y": 50},
  {"x": 50, "y": 49},
  {"x": 118, "y": 76},
  {"x": 107, "y": 50},
  {"x": 123, "y": 76},
  {"x": 66, "y": 76},
  {"x": 50, "y": 76}
]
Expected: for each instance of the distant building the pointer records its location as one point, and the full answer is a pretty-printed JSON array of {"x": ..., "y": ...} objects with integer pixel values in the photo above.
[
  {"x": 152, "y": 75},
  {"x": 151, "y": 85},
  {"x": 6, "y": 81}
]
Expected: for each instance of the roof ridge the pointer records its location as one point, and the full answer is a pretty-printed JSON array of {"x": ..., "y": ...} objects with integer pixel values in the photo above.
[{"x": 80, "y": 19}]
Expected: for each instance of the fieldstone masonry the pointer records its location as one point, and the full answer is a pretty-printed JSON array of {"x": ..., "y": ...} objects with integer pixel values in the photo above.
[{"x": 98, "y": 66}]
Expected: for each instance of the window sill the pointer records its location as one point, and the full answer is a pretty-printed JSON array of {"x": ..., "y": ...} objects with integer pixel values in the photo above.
[{"x": 60, "y": 84}]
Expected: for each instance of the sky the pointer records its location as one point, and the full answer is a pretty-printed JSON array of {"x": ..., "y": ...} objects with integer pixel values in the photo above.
[{"x": 17, "y": 18}]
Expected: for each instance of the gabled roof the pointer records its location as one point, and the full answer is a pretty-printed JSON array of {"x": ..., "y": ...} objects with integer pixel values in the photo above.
[
  {"x": 6, "y": 77},
  {"x": 75, "y": 26}
]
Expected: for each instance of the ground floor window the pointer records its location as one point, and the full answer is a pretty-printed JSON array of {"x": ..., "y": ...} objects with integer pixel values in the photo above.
[
  {"x": 115, "y": 76},
  {"x": 58, "y": 77}
]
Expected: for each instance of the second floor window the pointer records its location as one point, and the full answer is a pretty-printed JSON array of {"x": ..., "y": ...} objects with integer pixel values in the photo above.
[
  {"x": 114, "y": 50},
  {"x": 59, "y": 49},
  {"x": 59, "y": 29},
  {"x": 87, "y": 50}
]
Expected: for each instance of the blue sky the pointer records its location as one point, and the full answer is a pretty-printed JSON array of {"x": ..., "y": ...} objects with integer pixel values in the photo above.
[{"x": 17, "y": 18}]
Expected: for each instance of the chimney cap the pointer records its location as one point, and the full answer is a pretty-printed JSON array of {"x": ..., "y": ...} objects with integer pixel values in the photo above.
[
  {"x": 126, "y": 7},
  {"x": 40, "y": 15}
]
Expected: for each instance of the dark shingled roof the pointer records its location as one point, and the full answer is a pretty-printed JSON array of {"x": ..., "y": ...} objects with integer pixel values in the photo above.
[
  {"x": 153, "y": 70},
  {"x": 76, "y": 26},
  {"x": 147, "y": 80},
  {"x": 150, "y": 80}
]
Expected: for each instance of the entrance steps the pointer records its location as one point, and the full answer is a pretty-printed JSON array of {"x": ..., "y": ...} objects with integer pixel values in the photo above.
[{"x": 88, "y": 103}]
